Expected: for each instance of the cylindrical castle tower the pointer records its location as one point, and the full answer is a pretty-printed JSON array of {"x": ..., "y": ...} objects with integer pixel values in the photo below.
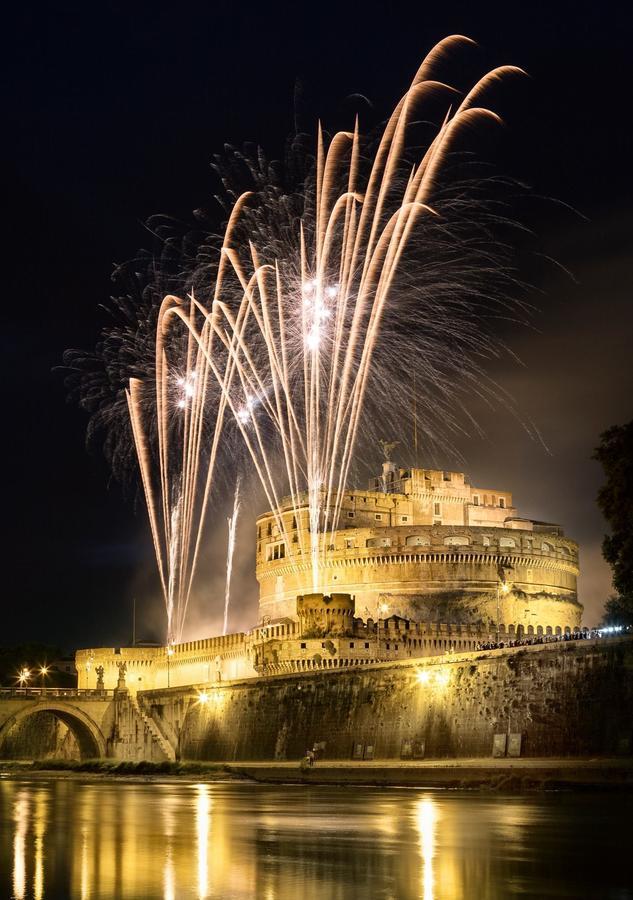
[{"x": 425, "y": 545}]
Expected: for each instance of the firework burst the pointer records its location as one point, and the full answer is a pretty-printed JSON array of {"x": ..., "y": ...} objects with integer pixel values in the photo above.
[{"x": 299, "y": 332}]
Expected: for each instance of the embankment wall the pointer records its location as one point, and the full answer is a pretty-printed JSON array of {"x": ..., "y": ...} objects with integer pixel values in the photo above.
[{"x": 568, "y": 699}]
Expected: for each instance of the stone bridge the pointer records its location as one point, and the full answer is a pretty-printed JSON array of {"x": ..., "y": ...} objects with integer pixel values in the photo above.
[{"x": 102, "y": 724}]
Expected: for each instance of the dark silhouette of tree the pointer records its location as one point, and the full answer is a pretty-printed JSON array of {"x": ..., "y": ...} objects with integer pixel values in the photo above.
[{"x": 615, "y": 499}]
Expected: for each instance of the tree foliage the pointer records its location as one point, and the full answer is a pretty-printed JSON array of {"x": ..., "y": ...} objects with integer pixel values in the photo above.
[{"x": 615, "y": 499}]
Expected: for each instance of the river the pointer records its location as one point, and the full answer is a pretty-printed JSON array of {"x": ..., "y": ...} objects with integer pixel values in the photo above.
[{"x": 68, "y": 838}]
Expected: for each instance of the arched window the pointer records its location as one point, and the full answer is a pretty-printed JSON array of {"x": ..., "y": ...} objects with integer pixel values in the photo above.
[
  {"x": 417, "y": 540},
  {"x": 379, "y": 542},
  {"x": 456, "y": 540}
]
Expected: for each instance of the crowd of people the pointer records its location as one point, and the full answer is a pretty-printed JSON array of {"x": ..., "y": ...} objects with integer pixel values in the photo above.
[{"x": 579, "y": 634}]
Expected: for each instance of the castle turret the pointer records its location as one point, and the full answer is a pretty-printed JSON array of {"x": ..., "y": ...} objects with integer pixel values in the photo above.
[{"x": 321, "y": 615}]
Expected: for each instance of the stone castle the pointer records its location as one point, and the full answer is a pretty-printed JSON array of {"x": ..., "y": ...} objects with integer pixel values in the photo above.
[
  {"x": 426, "y": 545},
  {"x": 422, "y": 564},
  {"x": 403, "y": 657}
]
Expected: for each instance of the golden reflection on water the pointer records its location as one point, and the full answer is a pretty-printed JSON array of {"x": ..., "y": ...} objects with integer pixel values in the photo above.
[
  {"x": 40, "y": 816},
  {"x": 203, "y": 812},
  {"x": 426, "y": 819},
  {"x": 99, "y": 840},
  {"x": 21, "y": 819}
]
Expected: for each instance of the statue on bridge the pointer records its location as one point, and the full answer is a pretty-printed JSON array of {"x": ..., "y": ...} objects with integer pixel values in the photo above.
[
  {"x": 99, "y": 673},
  {"x": 121, "y": 685}
]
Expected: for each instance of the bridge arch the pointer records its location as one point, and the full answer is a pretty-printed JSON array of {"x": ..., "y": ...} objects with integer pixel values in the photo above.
[{"x": 89, "y": 736}]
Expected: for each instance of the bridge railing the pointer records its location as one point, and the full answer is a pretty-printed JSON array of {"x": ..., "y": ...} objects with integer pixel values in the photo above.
[{"x": 84, "y": 693}]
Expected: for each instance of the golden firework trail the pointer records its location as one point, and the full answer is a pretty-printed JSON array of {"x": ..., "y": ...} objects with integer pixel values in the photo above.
[
  {"x": 285, "y": 348},
  {"x": 232, "y": 528}
]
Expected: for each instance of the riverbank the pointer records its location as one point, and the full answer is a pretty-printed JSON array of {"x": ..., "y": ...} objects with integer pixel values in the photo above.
[
  {"x": 118, "y": 769},
  {"x": 491, "y": 774},
  {"x": 465, "y": 774}
]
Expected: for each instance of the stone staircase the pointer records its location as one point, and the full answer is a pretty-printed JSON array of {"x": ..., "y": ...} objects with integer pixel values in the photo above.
[{"x": 153, "y": 728}]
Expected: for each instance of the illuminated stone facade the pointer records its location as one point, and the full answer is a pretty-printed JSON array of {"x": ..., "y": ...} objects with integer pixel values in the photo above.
[
  {"x": 428, "y": 546},
  {"x": 324, "y": 634}
]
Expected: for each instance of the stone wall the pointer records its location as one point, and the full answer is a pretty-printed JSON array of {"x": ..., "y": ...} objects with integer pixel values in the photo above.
[
  {"x": 437, "y": 573},
  {"x": 569, "y": 699}
]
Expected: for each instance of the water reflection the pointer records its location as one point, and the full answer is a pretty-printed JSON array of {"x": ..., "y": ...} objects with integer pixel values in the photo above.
[
  {"x": 174, "y": 841},
  {"x": 21, "y": 818},
  {"x": 426, "y": 818},
  {"x": 203, "y": 811}
]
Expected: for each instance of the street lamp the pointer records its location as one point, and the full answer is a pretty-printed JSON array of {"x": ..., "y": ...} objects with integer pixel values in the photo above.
[
  {"x": 23, "y": 676},
  {"x": 44, "y": 670}
]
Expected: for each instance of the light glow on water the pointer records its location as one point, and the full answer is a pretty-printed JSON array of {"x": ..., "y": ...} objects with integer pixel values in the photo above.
[
  {"x": 426, "y": 819},
  {"x": 203, "y": 815},
  {"x": 181, "y": 841}
]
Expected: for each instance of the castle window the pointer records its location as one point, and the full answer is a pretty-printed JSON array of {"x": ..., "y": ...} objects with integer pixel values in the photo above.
[
  {"x": 475, "y": 499},
  {"x": 276, "y": 551},
  {"x": 323, "y": 646},
  {"x": 417, "y": 540},
  {"x": 502, "y": 502},
  {"x": 437, "y": 509},
  {"x": 437, "y": 521},
  {"x": 259, "y": 532},
  {"x": 378, "y": 542},
  {"x": 294, "y": 522},
  {"x": 378, "y": 517},
  {"x": 486, "y": 541},
  {"x": 350, "y": 515},
  {"x": 351, "y": 645},
  {"x": 269, "y": 530},
  {"x": 456, "y": 540},
  {"x": 494, "y": 500},
  {"x": 303, "y": 646},
  {"x": 388, "y": 647},
  {"x": 367, "y": 646},
  {"x": 446, "y": 476},
  {"x": 405, "y": 518},
  {"x": 349, "y": 544}
]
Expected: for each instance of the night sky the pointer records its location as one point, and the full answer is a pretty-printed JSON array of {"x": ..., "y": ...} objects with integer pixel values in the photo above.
[{"x": 112, "y": 113}]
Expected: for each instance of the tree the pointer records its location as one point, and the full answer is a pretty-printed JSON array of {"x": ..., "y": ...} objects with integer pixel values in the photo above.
[{"x": 615, "y": 499}]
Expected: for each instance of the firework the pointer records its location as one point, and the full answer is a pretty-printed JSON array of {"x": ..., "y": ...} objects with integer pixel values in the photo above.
[
  {"x": 232, "y": 526},
  {"x": 322, "y": 307}
]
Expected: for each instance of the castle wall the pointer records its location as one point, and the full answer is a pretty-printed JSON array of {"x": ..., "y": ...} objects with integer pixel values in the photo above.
[
  {"x": 441, "y": 573},
  {"x": 569, "y": 699},
  {"x": 192, "y": 662}
]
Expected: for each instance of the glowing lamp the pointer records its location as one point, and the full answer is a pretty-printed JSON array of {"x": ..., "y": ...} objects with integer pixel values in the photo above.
[
  {"x": 24, "y": 675},
  {"x": 423, "y": 676}
]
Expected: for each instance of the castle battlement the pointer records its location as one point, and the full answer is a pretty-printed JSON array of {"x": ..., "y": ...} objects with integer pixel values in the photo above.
[{"x": 325, "y": 634}]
